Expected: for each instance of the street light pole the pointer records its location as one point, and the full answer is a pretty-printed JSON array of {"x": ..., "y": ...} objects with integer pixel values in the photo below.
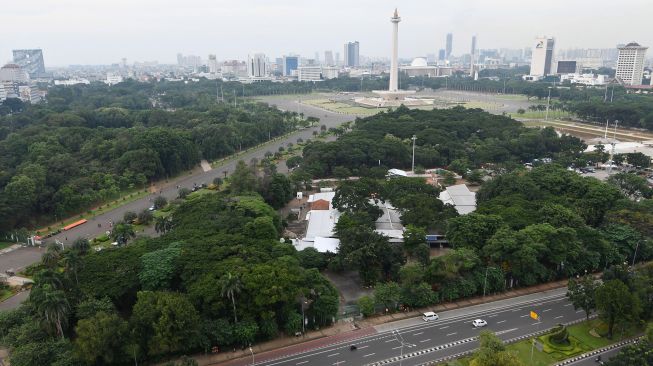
[
  {"x": 252, "y": 352},
  {"x": 485, "y": 280}
]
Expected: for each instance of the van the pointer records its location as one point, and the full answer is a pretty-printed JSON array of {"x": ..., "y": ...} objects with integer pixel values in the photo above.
[{"x": 430, "y": 316}]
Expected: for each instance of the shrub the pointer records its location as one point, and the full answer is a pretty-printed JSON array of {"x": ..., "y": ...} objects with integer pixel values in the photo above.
[
  {"x": 366, "y": 306},
  {"x": 559, "y": 335}
]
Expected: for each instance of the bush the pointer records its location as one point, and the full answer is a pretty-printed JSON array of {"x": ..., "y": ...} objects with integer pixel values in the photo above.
[
  {"x": 559, "y": 335},
  {"x": 366, "y": 306},
  {"x": 129, "y": 217},
  {"x": 160, "y": 202},
  {"x": 145, "y": 217},
  {"x": 102, "y": 238},
  {"x": 183, "y": 193}
]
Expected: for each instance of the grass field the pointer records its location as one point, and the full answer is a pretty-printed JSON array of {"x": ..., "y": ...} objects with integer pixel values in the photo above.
[
  {"x": 340, "y": 107},
  {"x": 5, "y": 294},
  {"x": 542, "y": 115},
  {"x": 5, "y": 244}
]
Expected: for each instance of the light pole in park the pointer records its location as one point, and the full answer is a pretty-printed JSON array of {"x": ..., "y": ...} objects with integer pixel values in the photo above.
[
  {"x": 252, "y": 352},
  {"x": 485, "y": 279}
]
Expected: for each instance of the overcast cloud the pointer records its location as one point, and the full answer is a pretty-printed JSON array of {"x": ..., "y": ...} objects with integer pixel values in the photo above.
[{"x": 104, "y": 31}]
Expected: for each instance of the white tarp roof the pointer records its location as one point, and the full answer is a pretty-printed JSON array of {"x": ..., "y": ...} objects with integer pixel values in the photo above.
[
  {"x": 460, "y": 197},
  {"x": 321, "y": 223}
]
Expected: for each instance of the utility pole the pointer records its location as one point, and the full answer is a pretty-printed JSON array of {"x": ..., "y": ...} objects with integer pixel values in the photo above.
[
  {"x": 413, "y": 166},
  {"x": 548, "y": 101}
]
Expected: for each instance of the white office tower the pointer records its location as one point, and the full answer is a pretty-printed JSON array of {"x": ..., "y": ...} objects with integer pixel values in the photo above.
[
  {"x": 13, "y": 73},
  {"x": 213, "y": 64},
  {"x": 630, "y": 64},
  {"x": 328, "y": 58},
  {"x": 257, "y": 66},
  {"x": 542, "y": 58}
]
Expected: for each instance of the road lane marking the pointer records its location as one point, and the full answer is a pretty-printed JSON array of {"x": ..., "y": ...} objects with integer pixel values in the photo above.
[
  {"x": 337, "y": 363},
  {"x": 524, "y": 316},
  {"x": 503, "y": 321},
  {"x": 568, "y": 305},
  {"x": 425, "y": 340},
  {"x": 515, "y": 310},
  {"x": 450, "y": 334},
  {"x": 492, "y": 316},
  {"x": 536, "y": 323},
  {"x": 545, "y": 310},
  {"x": 390, "y": 340},
  {"x": 558, "y": 317},
  {"x": 444, "y": 327},
  {"x": 361, "y": 347},
  {"x": 418, "y": 333},
  {"x": 396, "y": 347},
  {"x": 333, "y": 354},
  {"x": 369, "y": 354},
  {"x": 580, "y": 311},
  {"x": 299, "y": 363}
]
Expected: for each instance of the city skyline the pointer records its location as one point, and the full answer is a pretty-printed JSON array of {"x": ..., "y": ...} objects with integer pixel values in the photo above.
[{"x": 197, "y": 27}]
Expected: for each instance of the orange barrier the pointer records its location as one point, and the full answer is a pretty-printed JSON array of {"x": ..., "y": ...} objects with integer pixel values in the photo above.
[{"x": 74, "y": 224}]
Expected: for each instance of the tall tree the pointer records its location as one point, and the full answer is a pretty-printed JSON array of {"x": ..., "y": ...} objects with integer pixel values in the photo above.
[
  {"x": 582, "y": 293},
  {"x": 51, "y": 306},
  {"x": 230, "y": 285},
  {"x": 616, "y": 304}
]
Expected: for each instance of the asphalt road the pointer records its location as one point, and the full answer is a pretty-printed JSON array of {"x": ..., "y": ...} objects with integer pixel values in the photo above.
[
  {"x": 23, "y": 257},
  {"x": 591, "y": 361},
  {"x": 450, "y": 335}
]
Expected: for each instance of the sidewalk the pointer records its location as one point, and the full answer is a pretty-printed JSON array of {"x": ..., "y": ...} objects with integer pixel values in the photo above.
[
  {"x": 342, "y": 332},
  {"x": 10, "y": 249}
]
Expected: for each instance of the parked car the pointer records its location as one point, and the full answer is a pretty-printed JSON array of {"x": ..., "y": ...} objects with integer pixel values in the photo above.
[
  {"x": 430, "y": 316},
  {"x": 479, "y": 323}
]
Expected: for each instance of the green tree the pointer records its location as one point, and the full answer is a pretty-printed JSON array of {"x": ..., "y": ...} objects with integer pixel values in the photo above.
[
  {"x": 82, "y": 246},
  {"x": 51, "y": 306},
  {"x": 163, "y": 224},
  {"x": 387, "y": 294},
  {"x": 159, "y": 267},
  {"x": 122, "y": 232},
  {"x": 100, "y": 338},
  {"x": 492, "y": 352},
  {"x": 413, "y": 238},
  {"x": 230, "y": 285},
  {"x": 582, "y": 293},
  {"x": 243, "y": 179},
  {"x": 616, "y": 304},
  {"x": 366, "y": 306},
  {"x": 129, "y": 217},
  {"x": 160, "y": 202}
]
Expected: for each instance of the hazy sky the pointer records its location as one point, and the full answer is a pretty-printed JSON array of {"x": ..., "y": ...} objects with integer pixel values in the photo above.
[{"x": 104, "y": 31}]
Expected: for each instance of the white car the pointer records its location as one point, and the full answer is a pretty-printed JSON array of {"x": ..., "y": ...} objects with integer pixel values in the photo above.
[
  {"x": 430, "y": 316},
  {"x": 479, "y": 323}
]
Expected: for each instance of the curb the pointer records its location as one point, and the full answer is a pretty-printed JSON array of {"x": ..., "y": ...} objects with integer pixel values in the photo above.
[{"x": 10, "y": 249}]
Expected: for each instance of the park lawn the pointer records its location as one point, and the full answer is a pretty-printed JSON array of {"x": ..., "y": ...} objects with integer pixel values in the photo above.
[
  {"x": 582, "y": 333},
  {"x": 523, "y": 352},
  {"x": 5, "y": 294},
  {"x": 5, "y": 244},
  {"x": 541, "y": 114}
]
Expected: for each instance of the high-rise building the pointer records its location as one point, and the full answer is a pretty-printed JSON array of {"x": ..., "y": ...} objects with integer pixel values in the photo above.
[
  {"x": 257, "y": 66},
  {"x": 13, "y": 73},
  {"x": 328, "y": 58},
  {"x": 567, "y": 67},
  {"x": 31, "y": 61},
  {"x": 630, "y": 64},
  {"x": 449, "y": 46},
  {"x": 473, "y": 50},
  {"x": 352, "y": 56},
  {"x": 290, "y": 63},
  {"x": 442, "y": 55},
  {"x": 309, "y": 73},
  {"x": 337, "y": 58},
  {"x": 317, "y": 58},
  {"x": 213, "y": 64},
  {"x": 542, "y": 58}
]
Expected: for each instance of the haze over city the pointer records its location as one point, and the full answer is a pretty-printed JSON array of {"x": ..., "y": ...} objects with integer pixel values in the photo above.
[{"x": 157, "y": 30}]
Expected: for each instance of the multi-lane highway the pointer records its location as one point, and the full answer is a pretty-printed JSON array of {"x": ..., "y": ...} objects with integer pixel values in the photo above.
[
  {"x": 452, "y": 334},
  {"x": 23, "y": 257}
]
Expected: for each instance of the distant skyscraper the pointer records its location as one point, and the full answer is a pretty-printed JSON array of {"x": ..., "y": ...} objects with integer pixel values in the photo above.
[
  {"x": 630, "y": 64},
  {"x": 449, "y": 46},
  {"x": 442, "y": 55},
  {"x": 180, "y": 59},
  {"x": 257, "y": 66},
  {"x": 472, "y": 57},
  {"x": 328, "y": 58},
  {"x": 473, "y": 50},
  {"x": 337, "y": 58},
  {"x": 290, "y": 63},
  {"x": 542, "y": 58},
  {"x": 317, "y": 57},
  {"x": 31, "y": 61},
  {"x": 13, "y": 73},
  {"x": 213, "y": 64},
  {"x": 352, "y": 57}
]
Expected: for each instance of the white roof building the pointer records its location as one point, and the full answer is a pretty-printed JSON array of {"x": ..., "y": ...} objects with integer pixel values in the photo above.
[{"x": 460, "y": 197}]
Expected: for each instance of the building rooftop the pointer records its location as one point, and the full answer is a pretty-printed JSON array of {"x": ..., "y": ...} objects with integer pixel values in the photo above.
[{"x": 460, "y": 197}]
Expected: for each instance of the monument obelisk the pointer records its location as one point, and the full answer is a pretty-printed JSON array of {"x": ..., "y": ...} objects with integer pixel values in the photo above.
[{"x": 394, "y": 62}]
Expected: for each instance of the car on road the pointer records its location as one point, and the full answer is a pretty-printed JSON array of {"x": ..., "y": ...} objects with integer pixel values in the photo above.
[
  {"x": 479, "y": 323},
  {"x": 430, "y": 316},
  {"x": 152, "y": 208}
]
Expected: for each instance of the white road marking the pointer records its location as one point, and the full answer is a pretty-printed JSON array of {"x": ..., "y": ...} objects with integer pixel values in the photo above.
[
  {"x": 418, "y": 333},
  {"x": 390, "y": 340},
  {"x": 503, "y": 321},
  {"x": 492, "y": 316},
  {"x": 338, "y": 363},
  {"x": 369, "y": 354},
  {"x": 524, "y": 316},
  {"x": 515, "y": 310},
  {"x": 545, "y": 310},
  {"x": 580, "y": 311},
  {"x": 396, "y": 347},
  {"x": 333, "y": 354},
  {"x": 425, "y": 340},
  {"x": 299, "y": 363},
  {"x": 361, "y": 347},
  {"x": 535, "y": 323},
  {"x": 450, "y": 334},
  {"x": 558, "y": 317},
  {"x": 444, "y": 327},
  {"x": 568, "y": 305}
]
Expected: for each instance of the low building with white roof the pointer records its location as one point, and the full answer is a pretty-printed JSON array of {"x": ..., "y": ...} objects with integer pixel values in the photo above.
[{"x": 460, "y": 197}]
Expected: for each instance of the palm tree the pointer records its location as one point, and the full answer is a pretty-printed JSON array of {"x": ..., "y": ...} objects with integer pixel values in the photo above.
[
  {"x": 49, "y": 277},
  {"x": 72, "y": 263},
  {"x": 231, "y": 285},
  {"x": 51, "y": 256},
  {"x": 163, "y": 224},
  {"x": 51, "y": 306},
  {"x": 81, "y": 246},
  {"x": 122, "y": 233}
]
